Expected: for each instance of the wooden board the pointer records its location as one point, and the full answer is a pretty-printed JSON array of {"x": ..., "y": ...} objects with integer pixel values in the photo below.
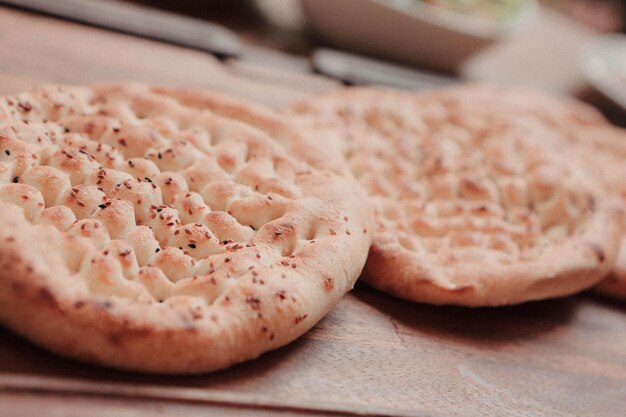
[
  {"x": 35, "y": 50},
  {"x": 376, "y": 355},
  {"x": 372, "y": 355}
]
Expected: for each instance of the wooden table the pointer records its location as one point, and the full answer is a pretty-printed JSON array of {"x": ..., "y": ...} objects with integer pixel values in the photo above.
[{"x": 372, "y": 355}]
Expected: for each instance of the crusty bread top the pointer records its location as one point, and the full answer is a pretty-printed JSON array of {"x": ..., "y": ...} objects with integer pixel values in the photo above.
[
  {"x": 586, "y": 135},
  {"x": 473, "y": 202},
  {"x": 129, "y": 220},
  {"x": 318, "y": 152}
]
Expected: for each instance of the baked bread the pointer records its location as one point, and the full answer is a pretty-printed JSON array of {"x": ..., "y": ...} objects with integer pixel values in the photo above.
[
  {"x": 604, "y": 149},
  {"x": 589, "y": 138},
  {"x": 473, "y": 202},
  {"x": 144, "y": 234},
  {"x": 318, "y": 152}
]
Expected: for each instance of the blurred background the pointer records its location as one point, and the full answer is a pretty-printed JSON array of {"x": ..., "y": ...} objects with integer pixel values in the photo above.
[
  {"x": 563, "y": 46},
  {"x": 460, "y": 27},
  {"x": 570, "y": 47}
]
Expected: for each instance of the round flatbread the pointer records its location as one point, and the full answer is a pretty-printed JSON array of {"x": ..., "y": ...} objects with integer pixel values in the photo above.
[
  {"x": 144, "y": 234},
  {"x": 591, "y": 139},
  {"x": 604, "y": 148},
  {"x": 473, "y": 202}
]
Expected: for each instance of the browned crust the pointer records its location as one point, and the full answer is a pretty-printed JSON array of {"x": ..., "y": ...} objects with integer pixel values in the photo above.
[
  {"x": 615, "y": 284},
  {"x": 319, "y": 152},
  {"x": 606, "y": 149},
  {"x": 600, "y": 145},
  {"x": 265, "y": 308},
  {"x": 568, "y": 269},
  {"x": 564, "y": 267},
  {"x": 153, "y": 338}
]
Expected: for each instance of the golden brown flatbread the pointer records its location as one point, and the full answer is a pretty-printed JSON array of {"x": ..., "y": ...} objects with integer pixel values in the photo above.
[
  {"x": 141, "y": 233},
  {"x": 474, "y": 202},
  {"x": 587, "y": 137}
]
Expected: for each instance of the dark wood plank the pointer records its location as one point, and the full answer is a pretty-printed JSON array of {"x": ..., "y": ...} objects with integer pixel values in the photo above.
[
  {"x": 374, "y": 354},
  {"x": 36, "y": 404}
]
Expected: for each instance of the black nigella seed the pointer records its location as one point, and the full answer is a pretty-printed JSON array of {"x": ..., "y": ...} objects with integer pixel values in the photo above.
[
  {"x": 157, "y": 250},
  {"x": 16, "y": 180},
  {"x": 8, "y": 152},
  {"x": 102, "y": 206},
  {"x": 192, "y": 245}
]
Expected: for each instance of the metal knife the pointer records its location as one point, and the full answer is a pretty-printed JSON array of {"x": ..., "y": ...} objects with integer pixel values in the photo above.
[
  {"x": 357, "y": 69},
  {"x": 199, "y": 34},
  {"x": 140, "y": 20}
]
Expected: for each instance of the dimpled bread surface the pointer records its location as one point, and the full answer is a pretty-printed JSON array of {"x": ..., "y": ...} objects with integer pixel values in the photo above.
[
  {"x": 594, "y": 142},
  {"x": 476, "y": 201},
  {"x": 145, "y": 234}
]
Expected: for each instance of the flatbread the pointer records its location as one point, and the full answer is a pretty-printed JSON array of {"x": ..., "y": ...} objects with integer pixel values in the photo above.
[
  {"x": 144, "y": 234},
  {"x": 604, "y": 148},
  {"x": 318, "y": 152},
  {"x": 474, "y": 203},
  {"x": 589, "y": 138}
]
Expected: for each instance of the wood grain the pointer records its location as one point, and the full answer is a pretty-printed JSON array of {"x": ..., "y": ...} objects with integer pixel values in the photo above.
[
  {"x": 372, "y": 355},
  {"x": 32, "y": 404},
  {"x": 37, "y": 50},
  {"x": 377, "y": 355}
]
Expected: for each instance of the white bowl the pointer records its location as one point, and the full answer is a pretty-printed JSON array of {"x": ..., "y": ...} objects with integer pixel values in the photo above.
[
  {"x": 603, "y": 62},
  {"x": 409, "y": 31}
]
